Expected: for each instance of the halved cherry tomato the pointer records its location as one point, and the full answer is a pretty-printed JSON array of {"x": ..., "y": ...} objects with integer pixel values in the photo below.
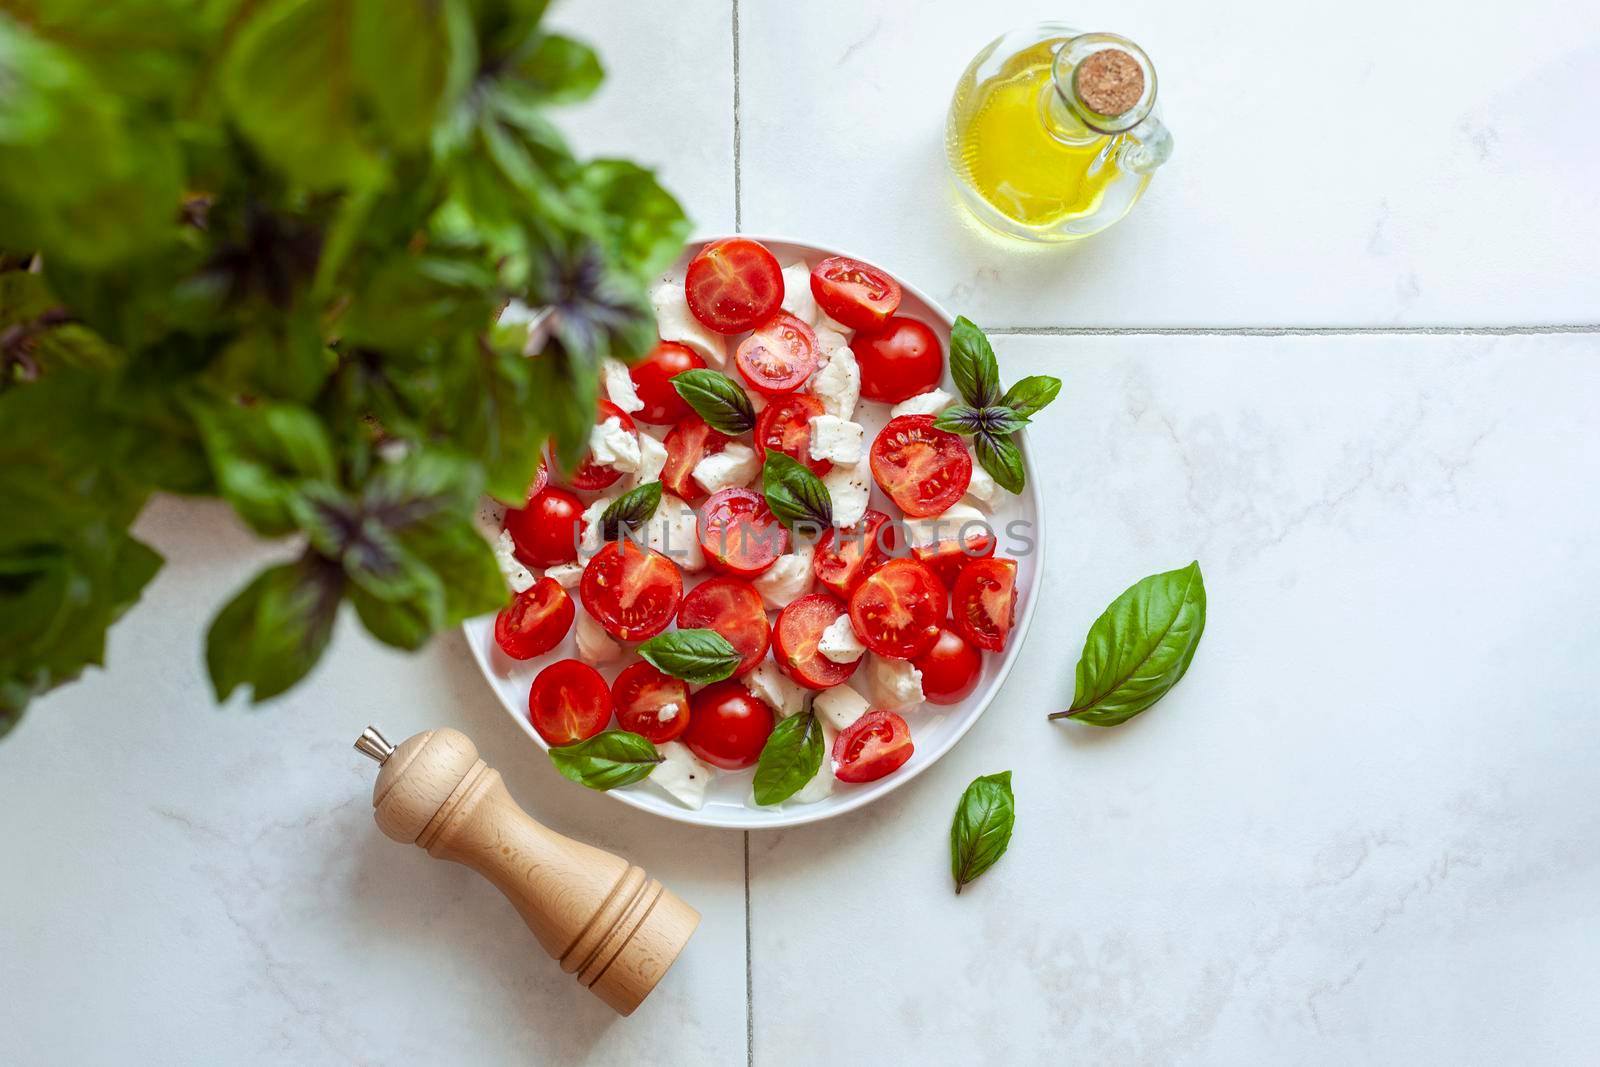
[
  {"x": 946, "y": 558},
  {"x": 732, "y": 608},
  {"x": 950, "y": 669},
  {"x": 568, "y": 702},
  {"x": 546, "y": 529},
  {"x": 784, "y": 425},
  {"x": 733, "y": 284},
  {"x": 641, "y": 693},
  {"x": 779, "y": 356},
  {"x": 922, "y": 468},
  {"x": 898, "y": 360},
  {"x": 689, "y": 442},
  {"x": 591, "y": 475},
  {"x": 897, "y": 609},
  {"x": 855, "y": 293},
  {"x": 632, "y": 592},
  {"x": 844, "y": 557},
  {"x": 874, "y": 745},
  {"x": 739, "y": 534},
  {"x": 984, "y": 602},
  {"x": 727, "y": 726},
  {"x": 535, "y": 621},
  {"x": 794, "y": 641},
  {"x": 652, "y": 380}
]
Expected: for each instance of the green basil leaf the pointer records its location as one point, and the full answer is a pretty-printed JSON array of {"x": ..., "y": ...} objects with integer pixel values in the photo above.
[
  {"x": 259, "y": 454},
  {"x": 607, "y": 760},
  {"x": 972, "y": 364},
  {"x": 982, "y": 826},
  {"x": 1139, "y": 648},
  {"x": 1001, "y": 421},
  {"x": 645, "y": 226},
  {"x": 1032, "y": 393},
  {"x": 717, "y": 399},
  {"x": 699, "y": 657},
  {"x": 796, "y": 496},
  {"x": 1002, "y": 459},
  {"x": 790, "y": 758},
  {"x": 960, "y": 418},
  {"x": 631, "y": 510},
  {"x": 560, "y": 70},
  {"x": 272, "y": 633}
]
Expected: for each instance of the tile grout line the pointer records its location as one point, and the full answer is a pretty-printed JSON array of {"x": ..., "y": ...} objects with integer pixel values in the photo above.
[
  {"x": 738, "y": 137},
  {"x": 1293, "y": 331},
  {"x": 749, "y": 973}
]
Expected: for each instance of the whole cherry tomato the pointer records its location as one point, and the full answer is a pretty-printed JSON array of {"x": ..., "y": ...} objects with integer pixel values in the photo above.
[{"x": 727, "y": 726}]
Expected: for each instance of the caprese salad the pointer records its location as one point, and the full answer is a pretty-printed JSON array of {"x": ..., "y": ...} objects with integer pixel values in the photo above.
[{"x": 716, "y": 551}]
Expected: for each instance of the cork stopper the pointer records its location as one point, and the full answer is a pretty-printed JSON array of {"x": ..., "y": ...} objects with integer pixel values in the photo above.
[{"x": 1110, "y": 82}]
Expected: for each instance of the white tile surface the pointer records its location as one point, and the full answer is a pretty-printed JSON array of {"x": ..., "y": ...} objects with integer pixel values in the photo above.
[
  {"x": 1369, "y": 163},
  {"x": 1361, "y": 829}
]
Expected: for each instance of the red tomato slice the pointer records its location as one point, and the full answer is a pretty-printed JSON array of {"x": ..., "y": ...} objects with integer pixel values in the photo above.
[
  {"x": 689, "y": 442},
  {"x": 984, "y": 602},
  {"x": 738, "y": 534},
  {"x": 547, "y": 528},
  {"x": 652, "y": 380},
  {"x": 844, "y": 557},
  {"x": 568, "y": 702},
  {"x": 922, "y": 468},
  {"x": 641, "y": 693},
  {"x": 950, "y": 669},
  {"x": 591, "y": 475},
  {"x": 535, "y": 621},
  {"x": 794, "y": 642},
  {"x": 947, "y": 558},
  {"x": 779, "y": 356},
  {"x": 727, "y": 726},
  {"x": 855, "y": 293},
  {"x": 632, "y": 592},
  {"x": 876, "y": 744},
  {"x": 733, "y": 284},
  {"x": 732, "y": 608},
  {"x": 897, "y": 609},
  {"x": 784, "y": 425},
  {"x": 898, "y": 360}
]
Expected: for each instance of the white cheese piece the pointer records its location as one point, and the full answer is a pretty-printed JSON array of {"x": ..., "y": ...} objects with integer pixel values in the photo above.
[
  {"x": 798, "y": 299},
  {"x": 652, "y": 457},
  {"x": 768, "y": 684},
  {"x": 681, "y": 775},
  {"x": 667, "y": 712},
  {"x": 734, "y": 466},
  {"x": 672, "y": 532},
  {"x": 839, "y": 642},
  {"x": 821, "y": 784},
  {"x": 982, "y": 490},
  {"x": 566, "y": 575},
  {"x": 839, "y": 706},
  {"x": 894, "y": 683},
  {"x": 930, "y": 403},
  {"x": 675, "y": 322},
  {"x": 830, "y": 341},
  {"x": 838, "y": 383},
  {"x": 516, "y": 575},
  {"x": 613, "y": 445},
  {"x": 849, "y": 487},
  {"x": 958, "y": 522},
  {"x": 594, "y": 644},
  {"x": 591, "y": 540},
  {"x": 619, "y": 386},
  {"x": 787, "y": 580},
  {"x": 489, "y": 518},
  {"x": 835, "y": 439},
  {"x": 826, "y": 322}
]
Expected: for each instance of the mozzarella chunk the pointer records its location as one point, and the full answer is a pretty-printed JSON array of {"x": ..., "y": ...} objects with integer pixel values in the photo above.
[
  {"x": 594, "y": 644},
  {"x": 619, "y": 386},
  {"x": 827, "y": 322},
  {"x": 516, "y": 575},
  {"x": 768, "y": 684},
  {"x": 591, "y": 540},
  {"x": 652, "y": 457},
  {"x": 566, "y": 575},
  {"x": 839, "y": 642},
  {"x": 849, "y": 487},
  {"x": 982, "y": 490},
  {"x": 681, "y": 775},
  {"x": 734, "y": 466},
  {"x": 835, "y": 439},
  {"x": 797, "y": 296},
  {"x": 838, "y": 383},
  {"x": 930, "y": 403},
  {"x": 489, "y": 518},
  {"x": 668, "y": 711},
  {"x": 957, "y": 520},
  {"x": 830, "y": 341},
  {"x": 672, "y": 532},
  {"x": 787, "y": 580},
  {"x": 821, "y": 784},
  {"x": 894, "y": 683},
  {"x": 675, "y": 322},
  {"x": 613, "y": 445},
  {"x": 839, "y": 706}
]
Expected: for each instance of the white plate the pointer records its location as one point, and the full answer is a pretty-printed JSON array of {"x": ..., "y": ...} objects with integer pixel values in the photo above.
[{"x": 934, "y": 730}]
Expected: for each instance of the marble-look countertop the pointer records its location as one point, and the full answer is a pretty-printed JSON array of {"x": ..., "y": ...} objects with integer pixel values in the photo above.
[{"x": 1345, "y": 353}]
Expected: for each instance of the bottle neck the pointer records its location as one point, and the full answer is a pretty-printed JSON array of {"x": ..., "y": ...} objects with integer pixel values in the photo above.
[{"x": 1101, "y": 84}]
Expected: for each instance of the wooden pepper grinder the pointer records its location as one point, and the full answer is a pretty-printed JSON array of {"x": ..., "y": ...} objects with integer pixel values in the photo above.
[{"x": 600, "y": 916}]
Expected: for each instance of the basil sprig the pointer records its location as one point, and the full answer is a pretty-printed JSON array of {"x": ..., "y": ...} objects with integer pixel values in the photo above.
[
  {"x": 991, "y": 417},
  {"x": 1139, "y": 648},
  {"x": 699, "y": 657},
  {"x": 790, "y": 758},
  {"x": 630, "y": 510},
  {"x": 794, "y": 494},
  {"x": 981, "y": 829},
  {"x": 717, "y": 399},
  {"x": 607, "y": 760}
]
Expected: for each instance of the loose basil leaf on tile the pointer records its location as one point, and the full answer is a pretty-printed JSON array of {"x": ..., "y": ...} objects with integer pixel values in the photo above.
[
  {"x": 1139, "y": 648},
  {"x": 972, "y": 364},
  {"x": 795, "y": 495},
  {"x": 982, "y": 826},
  {"x": 790, "y": 758},
  {"x": 607, "y": 760},
  {"x": 699, "y": 657},
  {"x": 631, "y": 510},
  {"x": 1031, "y": 394},
  {"x": 1002, "y": 459},
  {"x": 717, "y": 399}
]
